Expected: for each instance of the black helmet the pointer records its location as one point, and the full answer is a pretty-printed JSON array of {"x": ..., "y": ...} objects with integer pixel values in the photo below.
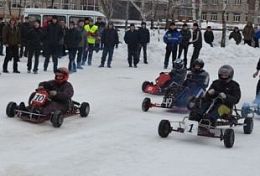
[
  {"x": 178, "y": 64},
  {"x": 225, "y": 73},
  {"x": 198, "y": 62}
]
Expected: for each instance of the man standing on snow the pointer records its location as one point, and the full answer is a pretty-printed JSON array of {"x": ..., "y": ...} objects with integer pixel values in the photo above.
[
  {"x": 197, "y": 43},
  {"x": 144, "y": 40}
]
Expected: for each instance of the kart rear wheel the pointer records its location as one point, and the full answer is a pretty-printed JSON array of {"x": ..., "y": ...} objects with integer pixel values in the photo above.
[
  {"x": 84, "y": 109},
  {"x": 248, "y": 125},
  {"x": 10, "y": 109},
  {"x": 164, "y": 128},
  {"x": 229, "y": 138},
  {"x": 146, "y": 104},
  {"x": 56, "y": 119},
  {"x": 145, "y": 84}
]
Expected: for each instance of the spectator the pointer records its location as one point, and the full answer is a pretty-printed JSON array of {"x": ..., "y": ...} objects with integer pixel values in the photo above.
[
  {"x": 2, "y": 24},
  {"x": 184, "y": 45},
  {"x": 82, "y": 43},
  {"x": 236, "y": 35},
  {"x": 132, "y": 40},
  {"x": 101, "y": 27},
  {"x": 25, "y": 27},
  {"x": 110, "y": 40},
  {"x": 35, "y": 39},
  {"x": 172, "y": 38},
  {"x": 62, "y": 48},
  {"x": 248, "y": 33},
  {"x": 12, "y": 40},
  {"x": 144, "y": 40},
  {"x": 257, "y": 37},
  {"x": 197, "y": 43},
  {"x": 209, "y": 36}
]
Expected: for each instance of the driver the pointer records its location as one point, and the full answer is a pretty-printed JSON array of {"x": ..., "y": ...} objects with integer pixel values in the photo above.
[{"x": 60, "y": 91}]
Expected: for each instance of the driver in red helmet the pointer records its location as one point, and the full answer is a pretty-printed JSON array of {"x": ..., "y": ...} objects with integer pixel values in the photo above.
[{"x": 60, "y": 91}]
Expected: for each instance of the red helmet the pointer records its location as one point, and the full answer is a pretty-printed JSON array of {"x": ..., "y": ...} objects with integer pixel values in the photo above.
[{"x": 61, "y": 75}]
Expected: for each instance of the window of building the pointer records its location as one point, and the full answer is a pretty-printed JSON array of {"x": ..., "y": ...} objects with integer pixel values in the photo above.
[
  {"x": 238, "y": 2},
  {"x": 214, "y": 2},
  {"x": 236, "y": 17},
  {"x": 204, "y": 16},
  {"x": 214, "y": 17}
]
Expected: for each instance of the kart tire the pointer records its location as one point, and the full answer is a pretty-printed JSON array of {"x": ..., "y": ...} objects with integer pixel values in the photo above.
[
  {"x": 164, "y": 128},
  {"x": 10, "y": 109},
  {"x": 229, "y": 138},
  {"x": 146, "y": 104},
  {"x": 56, "y": 119},
  {"x": 248, "y": 125},
  {"x": 145, "y": 84},
  {"x": 84, "y": 109}
]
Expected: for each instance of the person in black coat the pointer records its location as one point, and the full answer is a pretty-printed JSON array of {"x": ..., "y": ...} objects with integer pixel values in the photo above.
[
  {"x": 35, "y": 39},
  {"x": 226, "y": 90},
  {"x": 2, "y": 24},
  {"x": 53, "y": 36},
  {"x": 255, "y": 75},
  {"x": 197, "y": 42},
  {"x": 110, "y": 40},
  {"x": 72, "y": 40},
  {"x": 144, "y": 35},
  {"x": 209, "y": 36},
  {"x": 132, "y": 40},
  {"x": 184, "y": 45},
  {"x": 236, "y": 35},
  {"x": 25, "y": 27}
]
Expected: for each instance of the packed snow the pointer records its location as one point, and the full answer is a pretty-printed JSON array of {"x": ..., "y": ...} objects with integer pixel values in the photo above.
[{"x": 117, "y": 138}]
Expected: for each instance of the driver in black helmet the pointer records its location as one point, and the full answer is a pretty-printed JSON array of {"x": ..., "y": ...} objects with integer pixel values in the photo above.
[
  {"x": 228, "y": 92},
  {"x": 197, "y": 78}
]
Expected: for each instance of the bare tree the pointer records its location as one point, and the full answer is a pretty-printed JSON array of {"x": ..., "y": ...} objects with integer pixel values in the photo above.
[
  {"x": 194, "y": 16},
  {"x": 127, "y": 14},
  {"x": 9, "y": 6},
  {"x": 224, "y": 25},
  {"x": 107, "y": 7}
]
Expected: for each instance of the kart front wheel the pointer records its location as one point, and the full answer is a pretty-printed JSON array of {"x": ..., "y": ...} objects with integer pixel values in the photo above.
[
  {"x": 229, "y": 138},
  {"x": 164, "y": 128},
  {"x": 146, "y": 104},
  {"x": 248, "y": 125},
  {"x": 56, "y": 119},
  {"x": 10, "y": 109},
  {"x": 84, "y": 109}
]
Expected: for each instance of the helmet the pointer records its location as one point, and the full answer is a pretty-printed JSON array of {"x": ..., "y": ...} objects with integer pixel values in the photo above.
[
  {"x": 61, "y": 75},
  {"x": 178, "y": 64},
  {"x": 225, "y": 73},
  {"x": 198, "y": 62}
]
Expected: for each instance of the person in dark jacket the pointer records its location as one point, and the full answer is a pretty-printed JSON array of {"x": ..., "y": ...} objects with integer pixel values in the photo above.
[
  {"x": 258, "y": 83},
  {"x": 144, "y": 35},
  {"x": 236, "y": 35},
  {"x": 132, "y": 40},
  {"x": 184, "y": 45},
  {"x": 60, "y": 92},
  {"x": 12, "y": 40},
  {"x": 226, "y": 90},
  {"x": 110, "y": 40},
  {"x": 197, "y": 43},
  {"x": 35, "y": 39},
  {"x": 172, "y": 38},
  {"x": 25, "y": 28},
  {"x": 72, "y": 40},
  {"x": 2, "y": 24},
  {"x": 53, "y": 36},
  {"x": 248, "y": 33},
  {"x": 209, "y": 36},
  {"x": 101, "y": 27},
  {"x": 257, "y": 37},
  {"x": 82, "y": 43}
]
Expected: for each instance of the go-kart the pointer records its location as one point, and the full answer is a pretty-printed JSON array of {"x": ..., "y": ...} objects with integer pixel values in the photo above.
[
  {"x": 250, "y": 109},
  {"x": 222, "y": 128},
  {"x": 37, "y": 101},
  {"x": 176, "y": 99}
]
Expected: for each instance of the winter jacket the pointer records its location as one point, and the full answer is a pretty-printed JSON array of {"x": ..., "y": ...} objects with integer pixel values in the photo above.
[
  {"x": 25, "y": 28},
  {"x": 144, "y": 35},
  {"x": 83, "y": 35},
  {"x": 208, "y": 36},
  {"x": 197, "y": 38},
  {"x": 231, "y": 89},
  {"x": 257, "y": 35},
  {"x": 64, "y": 91},
  {"x": 53, "y": 34},
  {"x": 197, "y": 79},
  {"x": 186, "y": 36},
  {"x": 248, "y": 32},
  {"x": 132, "y": 39},
  {"x": 35, "y": 38},
  {"x": 172, "y": 37},
  {"x": 110, "y": 37},
  {"x": 178, "y": 75},
  {"x": 72, "y": 38},
  {"x": 236, "y": 36},
  {"x": 11, "y": 36},
  {"x": 2, "y": 24},
  {"x": 92, "y": 33}
]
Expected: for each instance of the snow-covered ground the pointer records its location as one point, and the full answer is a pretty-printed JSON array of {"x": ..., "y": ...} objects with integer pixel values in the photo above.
[{"x": 118, "y": 139}]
